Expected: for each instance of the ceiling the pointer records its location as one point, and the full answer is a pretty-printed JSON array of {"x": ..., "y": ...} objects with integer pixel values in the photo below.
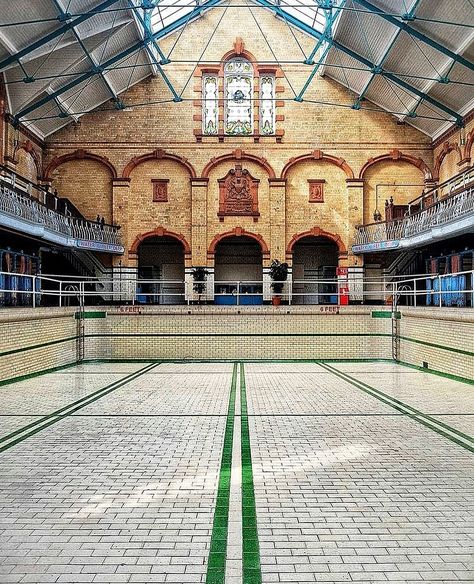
[{"x": 413, "y": 58}]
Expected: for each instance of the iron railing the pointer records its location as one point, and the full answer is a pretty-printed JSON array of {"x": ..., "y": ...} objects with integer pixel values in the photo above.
[
  {"x": 25, "y": 208},
  {"x": 443, "y": 290},
  {"x": 446, "y": 203}
]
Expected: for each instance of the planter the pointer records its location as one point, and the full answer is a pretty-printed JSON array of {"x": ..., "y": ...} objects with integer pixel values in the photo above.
[{"x": 276, "y": 300}]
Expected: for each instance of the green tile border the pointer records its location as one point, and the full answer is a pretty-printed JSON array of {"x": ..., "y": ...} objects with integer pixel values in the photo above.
[
  {"x": 436, "y": 346},
  {"x": 384, "y": 314},
  {"x": 65, "y": 411},
  {"x": 37, "y": 373},
  {"x": 90, "y": 314},
  {"x": 252, "y": 572},
  {"x": 456, "y": 436},
  {"x": 216, "y": 562},
  {"x": 38, "y": 346},
  {"x": 436, "y": 372}
]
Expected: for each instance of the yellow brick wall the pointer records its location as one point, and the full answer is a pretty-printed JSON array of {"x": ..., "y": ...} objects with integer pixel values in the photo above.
[
  {"x": 355, "y": 136},
  {"x": 21, "y": 328},
  {"x": 446, "y": 327}
]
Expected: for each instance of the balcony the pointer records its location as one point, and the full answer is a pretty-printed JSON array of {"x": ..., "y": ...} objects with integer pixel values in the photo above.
[
  {"x": 445, "y": 211},
  {"x": 22, "y": 209}
]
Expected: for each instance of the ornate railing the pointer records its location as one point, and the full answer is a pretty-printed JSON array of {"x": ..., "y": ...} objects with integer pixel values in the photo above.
[
  {"x": 442, "y": 212},
  {"x": 78, "y": 231}
]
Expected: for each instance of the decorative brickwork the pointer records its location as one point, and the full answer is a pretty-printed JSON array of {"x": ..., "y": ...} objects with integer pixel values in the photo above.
[
  {"x": 160, "y": 190},
  {"x": 316, "y": 190},
  {"x": 238, "y": 194}
]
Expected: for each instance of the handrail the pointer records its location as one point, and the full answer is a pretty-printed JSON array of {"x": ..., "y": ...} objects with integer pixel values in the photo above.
[
  {"x": 441, "y": 212},
  {"x": 33, "y": 211}
]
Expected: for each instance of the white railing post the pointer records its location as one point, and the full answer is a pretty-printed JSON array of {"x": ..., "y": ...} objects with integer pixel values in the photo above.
[
  {"x": 414, "y": 291},
  {"x": 33, "y": 289},
  {"x": 60, "y": 293},
  {"x": 440, "y": 302}
]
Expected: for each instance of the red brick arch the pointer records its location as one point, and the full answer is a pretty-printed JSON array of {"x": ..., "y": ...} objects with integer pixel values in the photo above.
[
  {"x": 316, "y": 232},
  {"x": 160, "y": 232},
  {"x": 78, "y": 155},
  {"x": 238, "y": 155},
  {"x": 318, "y": 155},
  {"x": 238, "y": 232},
  {"x": 157, "y": 154},
  {"x": 447, "y": 148},
  {"x": 28, "y": 147},
  {"x": 396, "y": 155}
]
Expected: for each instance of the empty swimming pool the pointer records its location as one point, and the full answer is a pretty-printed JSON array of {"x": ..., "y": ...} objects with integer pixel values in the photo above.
[{"x": 236, "y": 472}]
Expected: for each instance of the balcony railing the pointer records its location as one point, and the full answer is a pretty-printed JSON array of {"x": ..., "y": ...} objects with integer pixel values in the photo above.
[
  {"x": 387, "y": 235},
  {"x": 31, "y": 216}
]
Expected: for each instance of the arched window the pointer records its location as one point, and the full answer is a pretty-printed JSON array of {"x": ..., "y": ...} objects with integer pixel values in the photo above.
[{"x": 248, "y": 98}]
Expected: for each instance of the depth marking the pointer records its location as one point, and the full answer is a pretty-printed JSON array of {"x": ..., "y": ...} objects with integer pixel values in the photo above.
[
  {"x": 252, "y": 573},
  {"x": 449, "y": 432},
  {"x": 220, "y": 527},
  {"x": 30, "y": 429}
]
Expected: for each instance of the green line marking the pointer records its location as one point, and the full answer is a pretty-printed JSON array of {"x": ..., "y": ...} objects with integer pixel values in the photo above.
[
  {"x": 384, "y": 314},
  {"x": 443, "y": 347},
  {"x": 193, "y": 335},
  {"x": 220, "y": 527},
  {"x": 39, "y": 346},
  {"x": 436, "y": 372},
  {"x": 34, "y": 427},
  {"x": 252, "y": 573},
  {"x": 90, "y": 314},
  {"x": 434, "y": 424},
  {"x": 36, "y": 374}
]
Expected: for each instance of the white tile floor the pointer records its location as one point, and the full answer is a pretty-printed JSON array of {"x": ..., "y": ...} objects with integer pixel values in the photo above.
[{"x": 347, "y": 488}]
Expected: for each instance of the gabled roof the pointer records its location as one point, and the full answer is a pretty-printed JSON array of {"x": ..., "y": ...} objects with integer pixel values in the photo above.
[{"x": 413, "y": 58}]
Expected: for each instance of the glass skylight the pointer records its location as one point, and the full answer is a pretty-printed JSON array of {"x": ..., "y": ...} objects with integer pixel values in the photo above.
[{"x": 168, "y": 12}]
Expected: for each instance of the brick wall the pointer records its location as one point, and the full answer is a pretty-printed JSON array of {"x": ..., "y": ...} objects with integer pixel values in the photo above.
[{"x": 442, "y": 338}]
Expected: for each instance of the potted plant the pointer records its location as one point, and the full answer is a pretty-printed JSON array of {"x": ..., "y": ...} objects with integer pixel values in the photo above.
[
  {"x": 278, "y": 274},
  {"x": 199, "y": 281}
]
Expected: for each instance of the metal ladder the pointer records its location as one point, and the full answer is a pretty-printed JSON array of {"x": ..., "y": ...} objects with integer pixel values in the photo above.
[{"x": 80, "y": 326}]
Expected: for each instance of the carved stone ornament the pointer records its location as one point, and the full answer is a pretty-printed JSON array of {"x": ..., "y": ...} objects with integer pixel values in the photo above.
[
  {"x": 238, "y": 194},
  {"x": 160, "y": 190},
  {"x": 316, "y": 190}
]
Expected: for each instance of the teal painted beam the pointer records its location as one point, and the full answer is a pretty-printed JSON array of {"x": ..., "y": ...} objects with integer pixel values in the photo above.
[
  {"x": 117, "y": 58},
  {"x": 55, "y": 33},
  {"x": 416, "y": 34},
  {"x": 408, "y": 16}
]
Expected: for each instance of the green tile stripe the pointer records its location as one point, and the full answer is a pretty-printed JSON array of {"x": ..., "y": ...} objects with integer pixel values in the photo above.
[
  {"x": 252, "y": 573},
  {"x": 38, "y": 346},
  {"x": 36, "y": 373},
  {"x": 436, "y": 346},
  {"x": 25, "y": 432},
  {"x": 178, "y": 335},
  {"x": 468, "y": 380},
  {"x": 220, "y": 526},
  {"x": 434, "y": 424},
  {"x": 90, "y": 314},
  {"x": 384, "y": 314}
]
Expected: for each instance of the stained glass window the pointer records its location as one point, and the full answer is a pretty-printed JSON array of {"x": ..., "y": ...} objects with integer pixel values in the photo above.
[
  {"x": 267, "y": 105},
  {"x": 238, "y": 97},
  {"x": 210, "y": 118}
]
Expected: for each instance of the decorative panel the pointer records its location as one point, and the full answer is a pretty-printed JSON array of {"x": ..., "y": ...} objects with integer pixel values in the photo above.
[
  {"x": 160, "y": 190},
  {"x": 238, "y": 194},
  {"x": 238, "y": 97},
  {"x": 316, "y": 190},
  {"x": 210, "y": 105},
  {"x": 267, "y": 105}
]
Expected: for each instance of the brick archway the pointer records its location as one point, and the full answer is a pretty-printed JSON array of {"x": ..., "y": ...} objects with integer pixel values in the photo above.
[
  {"x": 238, "y": 232},
  {"x": 316, "y": 232},
  {"x": 447, "y": 148},
  {"x": 157, "y": 154},
  {"x": 318, "y": 155},
  {"x": 78, "y": 155},
  {"x": 160, "y": 232},
  {"x": 235, "y": 156},
  {"x": 397, "y": 155}
]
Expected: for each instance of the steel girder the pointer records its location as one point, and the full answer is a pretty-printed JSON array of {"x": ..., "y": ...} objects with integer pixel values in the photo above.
[
  {"x": 416, "y": 34},
  {"x": 119, "y": 57},
  {"x": 370, "y": 66},
  {"x": 362, "y": 94},
  {"x": 274, "y": 8},
  {"x": 55, "y": 33}
]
